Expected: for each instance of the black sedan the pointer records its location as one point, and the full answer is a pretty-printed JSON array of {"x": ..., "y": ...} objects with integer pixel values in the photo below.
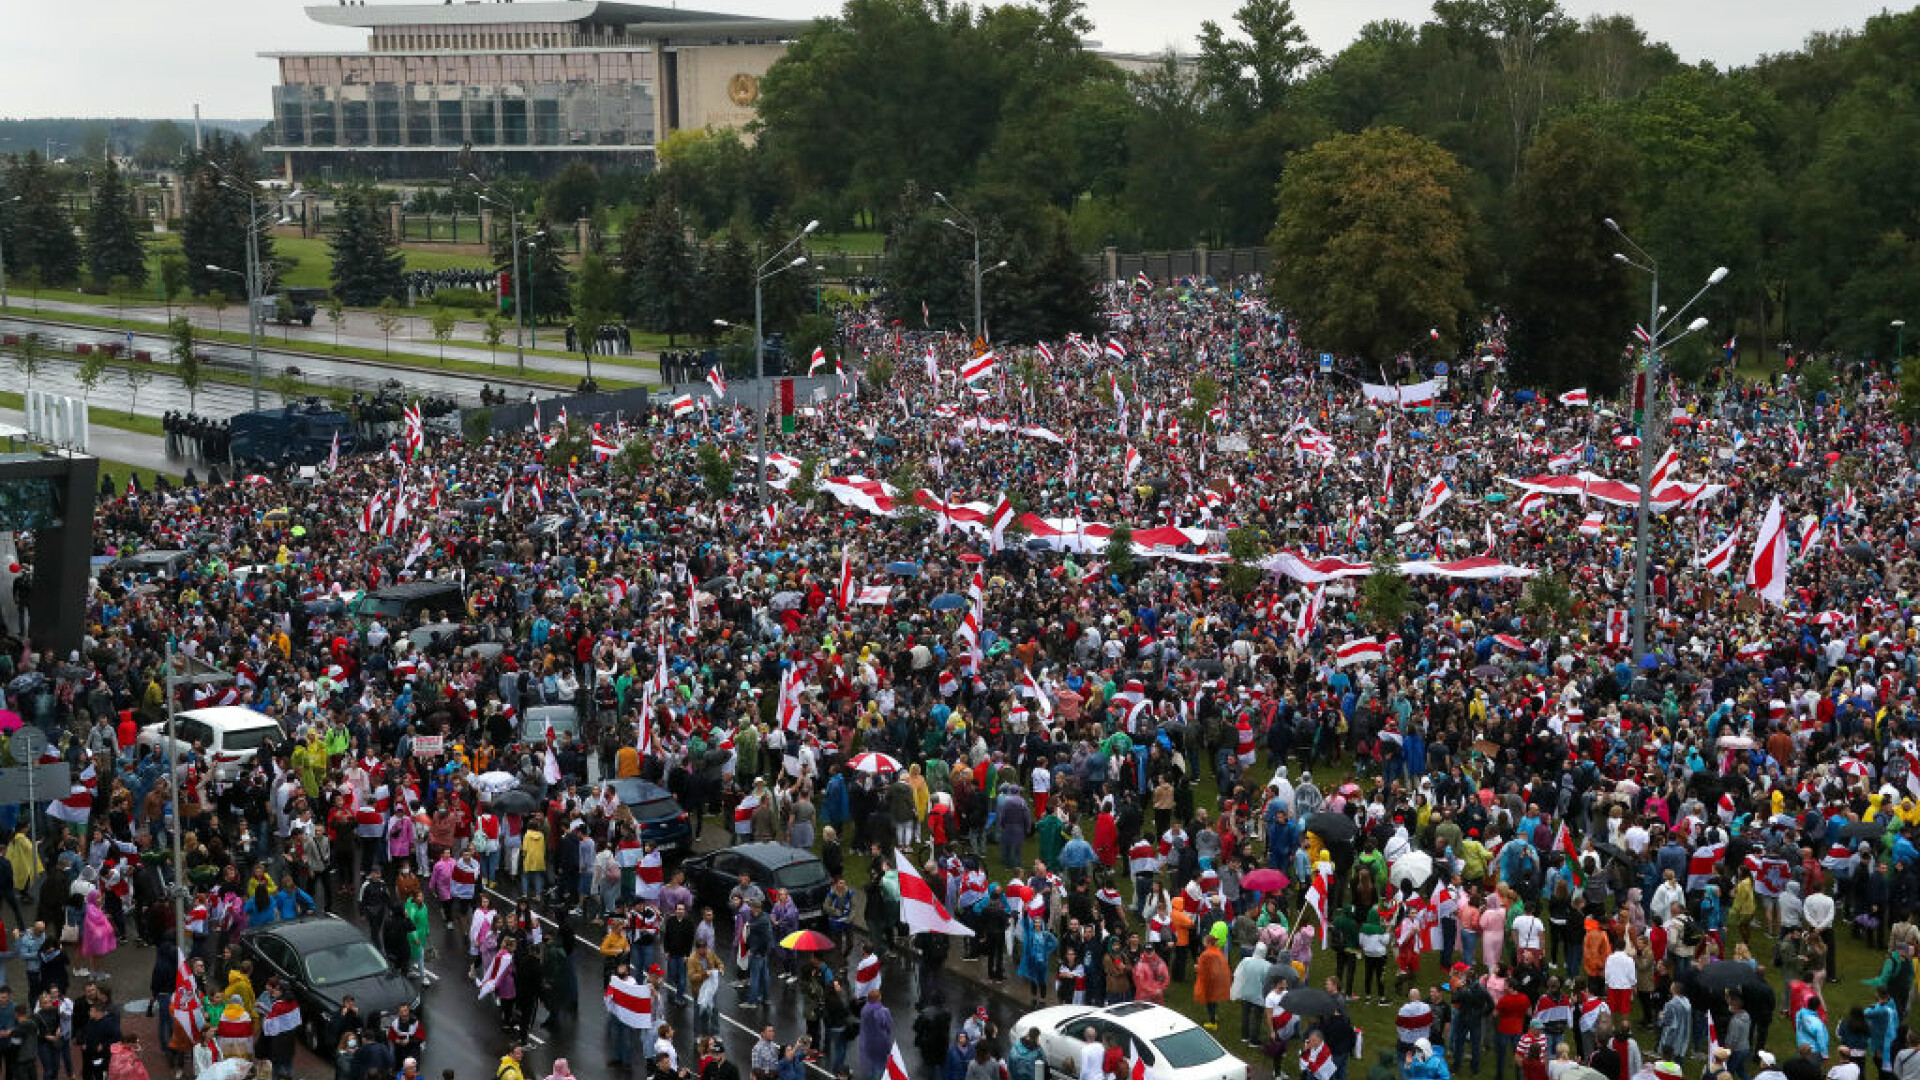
[
  {"x": 771, "y": 866},
  {"x": 662, "y": 822},
  {"x": 323, "y": 958}
]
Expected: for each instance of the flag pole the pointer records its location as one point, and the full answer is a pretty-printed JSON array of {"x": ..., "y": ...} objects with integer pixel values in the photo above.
[{"x": 179, "y": 889}]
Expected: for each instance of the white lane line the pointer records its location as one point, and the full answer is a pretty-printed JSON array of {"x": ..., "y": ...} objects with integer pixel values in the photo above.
[{"x": 595, "y": 946}]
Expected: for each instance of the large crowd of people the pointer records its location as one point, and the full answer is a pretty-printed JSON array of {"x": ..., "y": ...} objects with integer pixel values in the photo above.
[{"x": 1399, "y": 737}]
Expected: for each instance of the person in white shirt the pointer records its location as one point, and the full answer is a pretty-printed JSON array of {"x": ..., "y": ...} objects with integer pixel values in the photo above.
[
  {"x": 1621, "y": 977},
  {"x": 1818, "y": 911},
  {"x": 1528, "y": 933},
  {"x": 1092, "y": 1055}
]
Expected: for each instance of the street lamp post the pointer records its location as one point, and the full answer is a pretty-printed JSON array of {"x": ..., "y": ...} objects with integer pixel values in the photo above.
[
  {"x": 255, "y": 275},
  {"x": 3, "y": 257},
  {"x": 1649, "y": 433},
  {"x": 971, "y": 228},
  {"x": 519, "y": 316},
  {"x": 767, "y": 269}
]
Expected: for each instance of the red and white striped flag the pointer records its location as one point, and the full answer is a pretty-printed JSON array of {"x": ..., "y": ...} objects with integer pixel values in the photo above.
[
  {"x": 718, "y": 380},
  {"x": 1575, "y": 399},
  {"x": 1767, "y": 573},
  {"x": 1359, "y": 651},
  {"x": 630, "y": 1000},
  {"x": 1133, "y": 464},
  {"x": 1438, "y": 493},
  {"x": 1720, "y": 558},
  {"x": 843, "y": 594}
]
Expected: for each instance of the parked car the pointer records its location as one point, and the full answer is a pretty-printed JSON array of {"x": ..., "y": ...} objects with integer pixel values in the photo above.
[
  {"x": 1172, "y": 1046},
  {"x": 771, "y": 866},
  {"x": 662, "y": 822},
  {"x": 231, "y": 733},
  {"x": 441, "y": 638},
  {"x": 323, "y": 958},
  {"x": 535, "y": 718},
  {"x": 408, "y": 602}
]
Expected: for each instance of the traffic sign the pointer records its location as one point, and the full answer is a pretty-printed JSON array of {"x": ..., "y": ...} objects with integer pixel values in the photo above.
[
  {"x": 1440, "y": 368},
  {"x": 1443, "y": 416},
  {"x": 1326, "y": 363},
  {"x": 27, "y": 745},
  {"x": 1439, "y": 382},
  {"x": 36, "y": 783}
]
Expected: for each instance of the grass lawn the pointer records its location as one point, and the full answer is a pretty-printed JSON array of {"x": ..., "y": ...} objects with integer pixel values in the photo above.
[
  {"x": 852, "y": 243},
  {"x": 118, "y": 471},
  {"x": 1857, "y": 962}
]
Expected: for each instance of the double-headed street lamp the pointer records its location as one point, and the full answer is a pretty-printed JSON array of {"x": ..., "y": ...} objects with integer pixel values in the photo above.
[
  {"x": 768, "y": 269},
  {"x": 513, "y": 217},
  {"x": 254, "y": 277},
  {"x": 1656, "y": 340},
  {"x": 971, "y": 228}
]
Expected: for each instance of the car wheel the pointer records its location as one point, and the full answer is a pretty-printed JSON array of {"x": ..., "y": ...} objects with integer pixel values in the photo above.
[{"x": 316, "y": 1034}]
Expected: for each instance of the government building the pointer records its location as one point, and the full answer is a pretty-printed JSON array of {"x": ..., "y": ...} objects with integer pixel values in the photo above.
[{"x": 515, "y": 87}]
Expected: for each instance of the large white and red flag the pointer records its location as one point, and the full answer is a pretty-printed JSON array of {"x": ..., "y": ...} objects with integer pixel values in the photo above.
[
  {"x": 920, "y": 910},
  {"x": 630, "y": 1001},
  {"x": 1438, "y": 493},
  {"x": 1720, "y": 558},
  {"x": 843, "y": 595},
  {"x": 1767, "y": 573}
]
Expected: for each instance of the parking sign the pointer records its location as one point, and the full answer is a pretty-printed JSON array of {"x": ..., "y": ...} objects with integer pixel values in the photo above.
[{"x": 1326, "y": 363}]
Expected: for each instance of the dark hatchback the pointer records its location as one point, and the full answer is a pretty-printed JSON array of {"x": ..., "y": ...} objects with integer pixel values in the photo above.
[
  {"x": 771, "y": 866},
  {"x": 663, "y": 823},
  {"x": 323, "y": 958}
]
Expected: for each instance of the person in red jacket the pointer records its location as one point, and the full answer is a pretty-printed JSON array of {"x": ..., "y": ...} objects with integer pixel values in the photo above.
[{"x": 1510, "y": 1018}]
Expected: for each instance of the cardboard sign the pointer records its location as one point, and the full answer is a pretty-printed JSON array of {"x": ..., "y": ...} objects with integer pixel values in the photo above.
[{"x": 429, "y": 745}]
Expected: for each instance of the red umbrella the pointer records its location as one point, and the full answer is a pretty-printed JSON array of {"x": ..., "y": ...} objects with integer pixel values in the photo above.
[
  {"x": 1264, "y": 880},
  {"x": 1019, "y": 891},
  {"x": 971, "y": 558}
]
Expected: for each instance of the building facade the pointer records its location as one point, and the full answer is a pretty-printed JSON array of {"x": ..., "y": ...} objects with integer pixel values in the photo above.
[{"x": 524, "y": 87}]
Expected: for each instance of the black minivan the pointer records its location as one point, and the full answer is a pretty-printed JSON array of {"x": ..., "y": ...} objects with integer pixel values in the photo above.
[{"x": 408, "y": 603}]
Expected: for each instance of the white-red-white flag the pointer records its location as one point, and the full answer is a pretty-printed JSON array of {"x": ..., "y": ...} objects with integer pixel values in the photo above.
[{"x": 1767, "y": 573}]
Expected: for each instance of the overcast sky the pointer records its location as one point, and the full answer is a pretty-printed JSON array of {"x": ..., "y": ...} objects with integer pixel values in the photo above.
[{"x": 143, "y": 59}]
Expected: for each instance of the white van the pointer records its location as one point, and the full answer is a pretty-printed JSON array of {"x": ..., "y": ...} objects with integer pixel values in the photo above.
[{"x": 231, "y": 734}]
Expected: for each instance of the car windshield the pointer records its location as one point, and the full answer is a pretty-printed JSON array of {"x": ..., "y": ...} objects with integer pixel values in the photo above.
[
  {"x": 246, "y": 738},
  {"x": 656, "y": 810},
  {"x": 800, "y": 875},
  {"x": 1185, "y": 1049},
  {"x": 342, "y": 963}
]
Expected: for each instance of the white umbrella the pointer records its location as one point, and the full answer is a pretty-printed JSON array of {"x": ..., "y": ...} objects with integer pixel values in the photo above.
[
  {"x": 1415, "y": 867},
  {"x": 872, "y": 762},
  {"x": 493, "y": 783}
]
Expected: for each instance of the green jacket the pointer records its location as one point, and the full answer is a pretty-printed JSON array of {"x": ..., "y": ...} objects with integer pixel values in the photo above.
[{"x": 1050, "y": 830}]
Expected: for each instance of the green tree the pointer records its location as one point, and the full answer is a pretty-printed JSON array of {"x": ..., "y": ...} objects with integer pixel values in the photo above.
[
  {"x": 716, "y": 472},
  {"x": 1251, "y": 73},
  {"x": 1568, "y": 300},
  {"x": 388, "y": 318},
  {"x": 1374, "y": 244},
  {"x": 1245, "y": 545},
  {"x": 572, "y": 194},
  {"x": 186, "y": 359},
  {"x": 1385, "y": 597},
  {"x": 163, "y": 144},
  {"x": 41, "y": 235},
  {"x": 336, "y": 314},
  {"x": 597, "y": 302},
  {"x": 661, "y": 285},
  {"x": 218, "y": 212},
  {"x": 30, "y": 356},
  {"x": 1547, "y": 603},
  {"x": 492, "y": 333},
  {"x": 634, "y": 459},
  {"x": 1119, "y": 553},
  {"x": 286, "y": 384},
  {"x": 217, "y": 300},
  {"x": 442, "y": 323},
  {"x": 368, "y": 266},
  {"x": 173, "y": 280},
  {"x": 137, "y": 375},
  {"x": 726, "y": 282},
  {"x": 113, "y": 248},
  {"x": 92, "y": 369}
]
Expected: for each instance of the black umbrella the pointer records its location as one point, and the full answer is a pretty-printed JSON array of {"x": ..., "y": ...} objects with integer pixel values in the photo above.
[
  {"x": 1864, "y": 830},
  {"x": 1333, "y": 829},
  {"x": 1614, "y": 852},
  {"x": 1310, "y": 1003},
  {"x": 1724, "y": 975},
  {"x": 516, "y": 801}
]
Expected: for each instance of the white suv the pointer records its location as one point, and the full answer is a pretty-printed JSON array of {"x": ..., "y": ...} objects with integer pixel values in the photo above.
[{"x": 231, "y": 734}]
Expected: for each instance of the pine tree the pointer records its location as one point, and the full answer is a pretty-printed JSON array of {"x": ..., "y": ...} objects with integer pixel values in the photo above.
[
  {"x": 659, "y": 263},
  {"x": 367, "y": 264},
  {"x": 726, "y": 281},
  {"x": 113, "y": 247},
  {"x": 42, "y": 238},
  {"x": 213, "y": 229}
]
